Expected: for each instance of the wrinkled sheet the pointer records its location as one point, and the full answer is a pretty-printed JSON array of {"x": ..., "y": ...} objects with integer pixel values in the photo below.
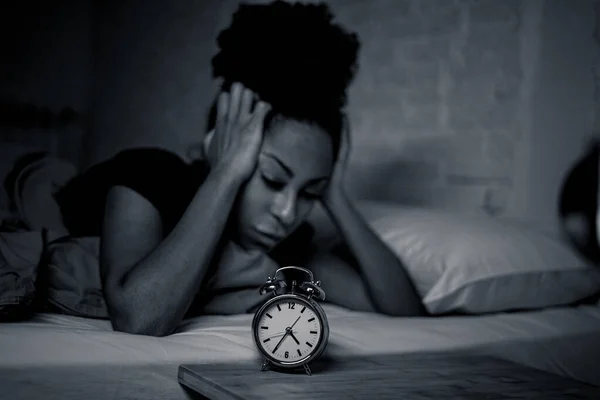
[
  {"x": 38, "y": 259},
  {"x": 56, "y": 356},
  {"x": 20, "y": 254},
  {"x": 63, "y": 273}
]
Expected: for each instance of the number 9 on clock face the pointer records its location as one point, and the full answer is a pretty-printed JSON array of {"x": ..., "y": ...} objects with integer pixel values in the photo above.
[{"x": 290, "y": 330}]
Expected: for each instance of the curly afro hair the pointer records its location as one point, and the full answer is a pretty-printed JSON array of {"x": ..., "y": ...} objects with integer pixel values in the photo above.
[{"x": 292, "y": 56}]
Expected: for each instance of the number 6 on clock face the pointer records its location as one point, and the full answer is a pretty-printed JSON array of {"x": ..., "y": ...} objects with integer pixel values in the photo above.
[{"x": 289, "y": 330}]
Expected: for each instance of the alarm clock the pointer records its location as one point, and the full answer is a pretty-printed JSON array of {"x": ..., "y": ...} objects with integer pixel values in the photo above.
[{"x": 290, "y": 330}]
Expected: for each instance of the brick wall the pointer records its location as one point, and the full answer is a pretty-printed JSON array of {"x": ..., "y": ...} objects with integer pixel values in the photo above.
[{"x": 441, "y": 84}]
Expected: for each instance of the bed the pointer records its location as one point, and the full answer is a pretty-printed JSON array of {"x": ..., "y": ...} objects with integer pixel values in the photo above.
[
  {"x": 59, "y": 357},
  {"x": 493, "y": 288}
]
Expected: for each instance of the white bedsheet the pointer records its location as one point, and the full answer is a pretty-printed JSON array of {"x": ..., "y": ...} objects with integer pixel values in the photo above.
[{"x": 50, "y": 348}]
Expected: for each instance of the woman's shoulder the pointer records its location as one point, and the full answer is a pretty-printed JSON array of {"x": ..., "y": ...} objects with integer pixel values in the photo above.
[
  {"x": 157, "y": 154},
  {"x": 147, "y": 161},
  {"x": 161, "y": 164},
  {"x": 155, "y": 166},
  {"x": 159, "y": 175},
  {"x": 143, "y": 169}
]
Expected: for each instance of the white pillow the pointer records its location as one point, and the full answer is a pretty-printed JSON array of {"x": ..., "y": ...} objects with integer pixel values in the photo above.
[{"x": 476, "y": 264}]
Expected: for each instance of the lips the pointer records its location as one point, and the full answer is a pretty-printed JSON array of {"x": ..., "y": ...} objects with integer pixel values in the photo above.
[{"x": 268, "y": 235}]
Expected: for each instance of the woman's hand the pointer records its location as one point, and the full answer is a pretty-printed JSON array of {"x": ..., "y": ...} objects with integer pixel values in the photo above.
[
  {"x": 239, "y": 131},
  {"x": 371, "y": 265}
]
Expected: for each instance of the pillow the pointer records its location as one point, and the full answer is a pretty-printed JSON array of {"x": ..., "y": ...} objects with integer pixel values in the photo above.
[
  {"x": 31, "y": 187},
  {"x": 476, "y": 264},
  {"x": 9, "y": 154}
]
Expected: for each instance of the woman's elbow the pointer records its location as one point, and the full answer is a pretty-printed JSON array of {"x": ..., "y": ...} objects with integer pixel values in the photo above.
[
  {"x": 127, "y": 319},
  {"x": 137, "y": 326}
]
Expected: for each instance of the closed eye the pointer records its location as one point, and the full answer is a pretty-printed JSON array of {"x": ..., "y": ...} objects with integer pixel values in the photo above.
[
  {"x": 275, "y": 184},
  {"x": 272, "y": 183}
]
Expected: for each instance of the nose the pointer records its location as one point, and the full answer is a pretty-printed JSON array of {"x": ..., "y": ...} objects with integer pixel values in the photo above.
[{"x": 284, "y": 207}]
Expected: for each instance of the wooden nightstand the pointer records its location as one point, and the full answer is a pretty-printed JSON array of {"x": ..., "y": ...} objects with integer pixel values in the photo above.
[{"x": 409, "y": 376}]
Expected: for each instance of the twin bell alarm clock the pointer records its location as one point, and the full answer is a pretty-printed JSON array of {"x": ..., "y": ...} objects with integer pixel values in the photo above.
[{"x": 290, "y": 330}]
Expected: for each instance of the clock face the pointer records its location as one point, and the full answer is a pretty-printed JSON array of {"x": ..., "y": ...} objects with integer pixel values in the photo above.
[{"x": 289, "y": 330}]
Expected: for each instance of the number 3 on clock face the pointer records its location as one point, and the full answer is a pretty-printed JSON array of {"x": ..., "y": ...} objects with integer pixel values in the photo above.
[{"x": 289, "y": 331}]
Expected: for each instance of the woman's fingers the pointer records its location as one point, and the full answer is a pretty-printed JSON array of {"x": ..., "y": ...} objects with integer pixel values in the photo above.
[
  {"x": 234, "y": 103},
  {"x": 256, "y": 123},
  {"x": 260, "y": 111},
  {"x": 236, "y": 109},
  {"x": 246, "y": 105},
  {"x": 345, "y": 139},
  {"x": 222, "y": 111},
  {"x": 239, "y": 127}
]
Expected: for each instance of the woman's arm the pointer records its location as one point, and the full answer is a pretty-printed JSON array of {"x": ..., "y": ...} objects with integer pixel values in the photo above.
[
  {"x": 149, "y": 283},
  {"x": 341, "y": 282},
  {"x": 369, "y": 260},
  {"x": 365, "y": 258}
]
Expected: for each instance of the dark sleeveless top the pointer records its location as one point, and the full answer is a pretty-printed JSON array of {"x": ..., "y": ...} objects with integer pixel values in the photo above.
[{"x": 165, "y": 180}]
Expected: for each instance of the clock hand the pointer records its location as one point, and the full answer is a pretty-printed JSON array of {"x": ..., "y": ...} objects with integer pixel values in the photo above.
[
  {"x": 278, "y": 334},
  {"x": 294, "y": 337},
  {"x": 281, "y": 341},
  {"x": 297, "y": 319},
  {"x": 288, "y": 330}
]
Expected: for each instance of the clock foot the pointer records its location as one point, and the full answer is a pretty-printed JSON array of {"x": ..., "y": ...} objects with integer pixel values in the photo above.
[
  {"x": 265, "y": 365},
  {"x": 307, "y": 369}
]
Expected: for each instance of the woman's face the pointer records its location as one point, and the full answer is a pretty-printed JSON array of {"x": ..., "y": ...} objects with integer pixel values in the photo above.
[{"x": 292, "y": 173}]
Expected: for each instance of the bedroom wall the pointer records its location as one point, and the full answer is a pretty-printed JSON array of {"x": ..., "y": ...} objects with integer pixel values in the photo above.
[
  {"x": 476, "y": 106},
  {"x": 46, "y": 50},
  {"x": 562, "y": 107},
  {"x": 433, "y": 117},
  {"x": 152, "y": 81}
]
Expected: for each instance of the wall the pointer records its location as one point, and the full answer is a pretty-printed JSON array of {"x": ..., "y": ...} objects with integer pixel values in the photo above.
[
  {"x": 424, "y": 92},
  {"x": 152, "y": 75},
  {"x": 474, "y": 106},
  {"x": 47, "y": 52},
  {"x": 562, "y": 104},
  {"x": 46, "y": 48},
  {"x": 442, "y": 85}
]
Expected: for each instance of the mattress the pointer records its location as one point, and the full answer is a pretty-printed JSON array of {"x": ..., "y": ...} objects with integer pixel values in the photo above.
[{"x": 55, "y": 356}]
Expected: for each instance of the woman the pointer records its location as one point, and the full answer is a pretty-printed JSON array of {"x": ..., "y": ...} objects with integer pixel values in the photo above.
[{"x": 203, "y": 238}]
